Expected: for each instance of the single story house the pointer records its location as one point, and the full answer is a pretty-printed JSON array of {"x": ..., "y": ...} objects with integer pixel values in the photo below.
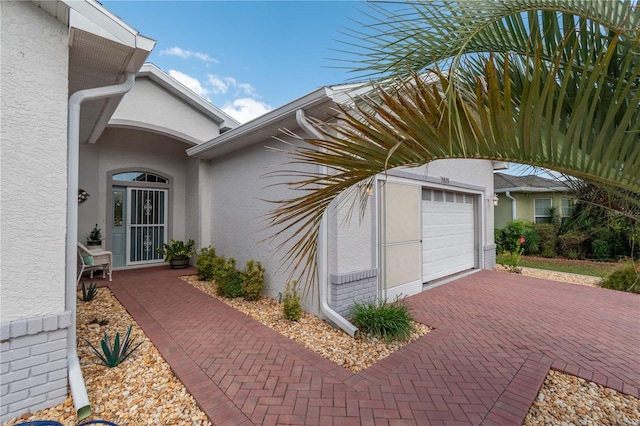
[
  {"x": 529, "y": 198},
  {"x": 81, "y": 107}
]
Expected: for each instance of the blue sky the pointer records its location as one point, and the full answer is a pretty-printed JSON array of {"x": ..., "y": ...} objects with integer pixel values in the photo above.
[
  {"x": 248, "y": 57},
  {"x": 245, "y": 57}
]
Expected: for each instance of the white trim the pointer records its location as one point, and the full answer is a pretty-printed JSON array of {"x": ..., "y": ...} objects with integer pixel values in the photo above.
[
  {"x": 318, "y": 96},
  {"x": 91, "y": 16},
  {"x": 155, "y": 74},
  {"x": 535, "y": 216},
  {"x": 335, "y": 94},
  {"x": 533, "y": 189},
  {"x": 408, "y": 289},
  {"x": 154, "y": 128}
]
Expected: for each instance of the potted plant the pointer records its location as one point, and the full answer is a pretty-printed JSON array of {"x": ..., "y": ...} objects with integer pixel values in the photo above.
[
  {"x": 95, "y": 237},
  {"x": 177, "y": 253}
]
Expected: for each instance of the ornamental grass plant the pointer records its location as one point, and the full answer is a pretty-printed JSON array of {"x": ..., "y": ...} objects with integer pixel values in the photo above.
[{"x": 387, "y": 321}]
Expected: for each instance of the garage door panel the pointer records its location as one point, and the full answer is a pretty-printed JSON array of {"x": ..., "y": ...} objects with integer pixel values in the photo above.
[{"x": 448, "y": 236}]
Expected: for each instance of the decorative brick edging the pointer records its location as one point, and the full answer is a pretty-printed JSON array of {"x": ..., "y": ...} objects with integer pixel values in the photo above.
[{"x": 514, "y": 403}]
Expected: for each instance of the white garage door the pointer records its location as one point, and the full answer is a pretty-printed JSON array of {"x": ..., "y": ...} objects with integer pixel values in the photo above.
[{"x": 448, "y": 233}]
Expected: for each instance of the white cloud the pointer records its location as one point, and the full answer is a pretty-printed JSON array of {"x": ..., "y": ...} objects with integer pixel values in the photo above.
[
  {"x": 246, "y": 109},
  {"x": 186, "y": 54},
  {"x": 191, "y": 82},
  {"x": 220, "y": 85},
  {"x": 247, "y": 89}
]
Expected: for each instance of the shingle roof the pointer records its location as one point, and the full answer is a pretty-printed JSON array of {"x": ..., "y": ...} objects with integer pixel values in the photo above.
[{"x": 531, "y": 183}]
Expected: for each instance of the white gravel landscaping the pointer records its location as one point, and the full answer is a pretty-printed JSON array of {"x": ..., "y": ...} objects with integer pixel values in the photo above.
[{"x": 143, "y": 391}]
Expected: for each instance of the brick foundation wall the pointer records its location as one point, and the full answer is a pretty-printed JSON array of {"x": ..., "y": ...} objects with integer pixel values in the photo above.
[
  {"x": 33, "y": 364},
  {"x": 358, "y": 286},
  {"x": 490, "y": 256}
]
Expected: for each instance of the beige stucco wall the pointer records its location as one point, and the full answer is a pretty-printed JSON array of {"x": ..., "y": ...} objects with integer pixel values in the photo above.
[
  {"x": 119, "y": 149},
  {"x": 524, "y": 205},
  {"x": 33, "y": 161},
  {"x": 151, "y": 107}
]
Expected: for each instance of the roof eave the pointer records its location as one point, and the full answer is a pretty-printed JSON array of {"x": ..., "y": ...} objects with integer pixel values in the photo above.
[
  {"x": 532, "y": 189},
  {"x": 208, "y": 149}
]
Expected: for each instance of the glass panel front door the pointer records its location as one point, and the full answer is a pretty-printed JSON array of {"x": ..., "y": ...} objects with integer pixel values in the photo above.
[
  {"x": 118, "y": 227},
  {"x": 147, "y": 225}
]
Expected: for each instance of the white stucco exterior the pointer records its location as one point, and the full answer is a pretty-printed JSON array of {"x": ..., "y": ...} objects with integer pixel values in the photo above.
[
  {"x": 237, "y": 186},
  {"x": 136, "y": 150},
  {"x": 33, "y": 161},
  {"x": 236, "y": 192},
  {"x": 151, "y": 107},
  {"x": 153, "y": 126}
]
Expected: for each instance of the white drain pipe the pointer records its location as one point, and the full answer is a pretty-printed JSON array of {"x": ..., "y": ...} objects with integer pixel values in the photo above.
[
  {"x": 513, "y": 205},
  {"x": 322, "y": 253},
  {"x": 76, "y": 381}
]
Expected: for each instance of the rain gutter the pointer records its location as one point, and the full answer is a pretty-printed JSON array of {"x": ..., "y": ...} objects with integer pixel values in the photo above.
[
  {"x": 513, "y": 205},
  {"x": 323, "y": 248},
  {"x": 76, "y": 381}
]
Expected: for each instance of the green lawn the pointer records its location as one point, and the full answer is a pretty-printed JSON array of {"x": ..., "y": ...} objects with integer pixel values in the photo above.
[{"x": 596, "y": 269}]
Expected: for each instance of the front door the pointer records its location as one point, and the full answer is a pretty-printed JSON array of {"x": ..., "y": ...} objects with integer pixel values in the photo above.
[
  {"x": 146, "y": 225},
  {"x": 119, "y": 226}
]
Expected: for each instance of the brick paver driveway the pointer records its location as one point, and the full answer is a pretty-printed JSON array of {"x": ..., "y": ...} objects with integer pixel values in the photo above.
[{"x": 496, "y": 336}]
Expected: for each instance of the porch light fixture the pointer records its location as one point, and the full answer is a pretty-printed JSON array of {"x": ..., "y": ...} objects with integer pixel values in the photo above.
[{"x": 494, "y": 199}]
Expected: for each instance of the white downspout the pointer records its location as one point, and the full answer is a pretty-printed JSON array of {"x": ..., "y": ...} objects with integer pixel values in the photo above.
[
  {"x": 513, "y": 205},
  {"x": 76, "y": 381},
  {"x": 323, "y": 249}
]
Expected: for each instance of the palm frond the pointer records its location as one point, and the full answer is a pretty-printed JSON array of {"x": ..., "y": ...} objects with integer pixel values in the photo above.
[{"x": 547, "y": 83}]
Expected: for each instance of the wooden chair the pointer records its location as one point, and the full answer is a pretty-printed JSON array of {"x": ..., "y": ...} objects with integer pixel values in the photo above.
[{"x": 91, "y": 260}]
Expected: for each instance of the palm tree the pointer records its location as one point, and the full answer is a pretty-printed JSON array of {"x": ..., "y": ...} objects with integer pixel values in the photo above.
[{"x": 548, "y": 83}]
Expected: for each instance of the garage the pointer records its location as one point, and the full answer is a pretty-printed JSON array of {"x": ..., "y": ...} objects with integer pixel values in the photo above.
[{"x": 448, "y": 233}]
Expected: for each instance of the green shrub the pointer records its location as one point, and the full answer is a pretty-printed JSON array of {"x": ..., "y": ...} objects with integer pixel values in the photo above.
[
  {"x": 624, "y": 279},
  {"x": 507, "y": 238},
  {"x": 601, "y": 249},
  {"x": 228, "y": 279},
  {"x": 574, "y": 255},
  {"x": 511, "y": 259},
  {"x": 548, "y": 239},
  {"x": 573, "y": 242},
  {"x": 205, "y": 263},
  {"x": 291, "y": 308},
  {"x": 388, "y": 321},
  {"x": 252, "y": 281},
  {"x": 531, "y": 243},
  {"x": 112, "y": 355},
  {"x": 89, "y": 293}
]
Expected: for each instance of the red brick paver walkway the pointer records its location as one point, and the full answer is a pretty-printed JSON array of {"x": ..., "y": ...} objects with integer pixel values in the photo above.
[{"x": 496, "y": 336}]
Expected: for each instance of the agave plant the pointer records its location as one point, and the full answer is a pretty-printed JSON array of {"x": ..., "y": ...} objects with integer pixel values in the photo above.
[
  {"x": 89, "y": 293},
  {"x": 113, "y": 355},
  {"x": 548, "y": 83}
]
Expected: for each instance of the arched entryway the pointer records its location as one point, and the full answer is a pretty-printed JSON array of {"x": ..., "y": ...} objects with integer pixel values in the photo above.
[{"x": 138, "y": 216}]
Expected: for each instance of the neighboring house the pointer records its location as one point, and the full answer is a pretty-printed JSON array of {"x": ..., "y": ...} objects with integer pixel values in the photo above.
[
  {"x": 529, "y": 198},
  {"x": 161, "y": 163}
]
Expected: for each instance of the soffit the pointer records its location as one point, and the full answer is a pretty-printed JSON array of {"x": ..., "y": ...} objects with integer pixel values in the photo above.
[
  {"x": 101, "y": 49},
  {"x": 95, "y": 62}
]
